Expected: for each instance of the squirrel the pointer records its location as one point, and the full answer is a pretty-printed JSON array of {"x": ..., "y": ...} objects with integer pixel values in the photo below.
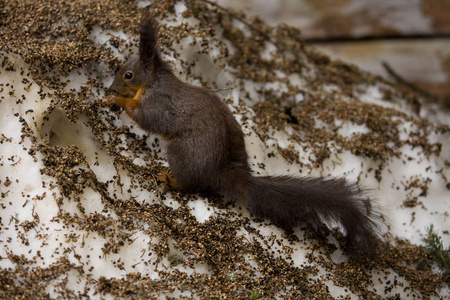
[{"x": 206, "y": 151}]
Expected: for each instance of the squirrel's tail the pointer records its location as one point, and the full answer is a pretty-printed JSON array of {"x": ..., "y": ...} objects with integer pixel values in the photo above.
[{"x": 287, "y": 201}]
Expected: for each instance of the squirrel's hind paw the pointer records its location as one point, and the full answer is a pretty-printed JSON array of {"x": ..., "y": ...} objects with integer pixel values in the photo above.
[{"x": 170, "y": 183}]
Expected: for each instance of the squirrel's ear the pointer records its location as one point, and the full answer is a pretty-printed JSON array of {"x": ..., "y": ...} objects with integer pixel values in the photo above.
[{"x": 148, "y": 45}]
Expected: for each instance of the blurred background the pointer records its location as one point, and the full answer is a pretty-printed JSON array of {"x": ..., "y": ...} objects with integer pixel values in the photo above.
[{"x": 412, "y": 37}]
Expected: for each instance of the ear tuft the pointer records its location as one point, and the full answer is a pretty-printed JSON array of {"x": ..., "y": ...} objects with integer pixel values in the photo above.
[{"x": 148, "y": 45}]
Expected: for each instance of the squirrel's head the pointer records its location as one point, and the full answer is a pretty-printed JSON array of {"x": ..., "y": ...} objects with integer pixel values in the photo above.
[
  {"x": 137, "y": 74},
  {"x": 131, "y": 77}
]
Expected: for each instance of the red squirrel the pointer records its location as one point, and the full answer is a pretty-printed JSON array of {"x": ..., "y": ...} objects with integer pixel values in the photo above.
[{"x": 206, "y": 151}]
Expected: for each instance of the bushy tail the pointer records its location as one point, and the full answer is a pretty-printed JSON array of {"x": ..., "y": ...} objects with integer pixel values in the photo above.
[{"x": 289, "y": 200}]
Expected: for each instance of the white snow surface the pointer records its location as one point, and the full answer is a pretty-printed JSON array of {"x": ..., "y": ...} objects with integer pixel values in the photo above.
[{"x": 28, "y": 194}]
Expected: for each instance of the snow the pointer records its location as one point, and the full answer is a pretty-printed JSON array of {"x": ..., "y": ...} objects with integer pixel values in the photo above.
[{"x": 28, "y": 194}]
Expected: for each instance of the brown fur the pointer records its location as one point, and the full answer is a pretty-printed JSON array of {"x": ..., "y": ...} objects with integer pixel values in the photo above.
[{"x": 206, "y": 151}]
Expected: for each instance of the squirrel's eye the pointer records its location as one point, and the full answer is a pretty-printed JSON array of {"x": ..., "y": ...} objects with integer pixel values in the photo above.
[{"x": 128, "y": 75}]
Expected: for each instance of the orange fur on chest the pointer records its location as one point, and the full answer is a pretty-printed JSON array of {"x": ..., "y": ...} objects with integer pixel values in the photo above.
[{"x": 130, "y": 104}]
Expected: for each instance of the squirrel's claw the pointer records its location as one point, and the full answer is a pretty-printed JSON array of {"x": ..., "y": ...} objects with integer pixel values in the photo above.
[
  {"x": 170, "y": 183},
  {"x": 111, "y": 102}
]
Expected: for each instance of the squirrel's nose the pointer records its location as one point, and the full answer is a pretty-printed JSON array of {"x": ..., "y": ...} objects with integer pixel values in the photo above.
[{"x": 112, "y": 90}]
